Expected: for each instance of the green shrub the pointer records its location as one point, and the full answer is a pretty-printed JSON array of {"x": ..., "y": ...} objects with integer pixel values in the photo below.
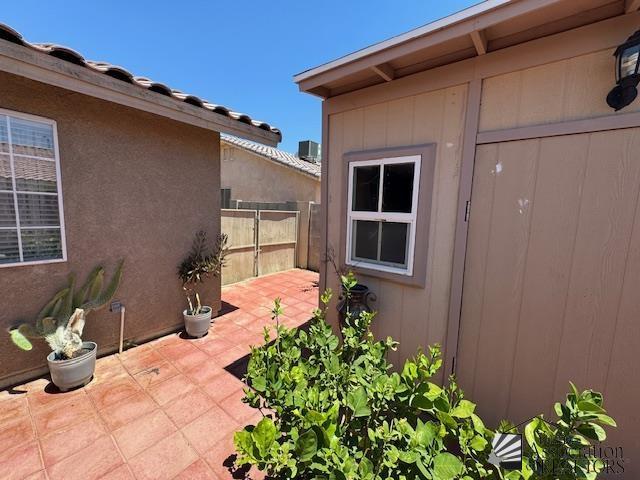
[{"x": 334, "y": 410}]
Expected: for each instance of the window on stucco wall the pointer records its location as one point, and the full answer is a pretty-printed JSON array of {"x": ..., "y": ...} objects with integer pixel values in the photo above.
[
  {"x": 31, "y": 217},
  {"x": 381, "y": 218}
]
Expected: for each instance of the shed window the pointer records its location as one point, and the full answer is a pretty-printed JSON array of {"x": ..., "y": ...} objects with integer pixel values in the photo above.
[
  {"x": 31, "y": 219},
  {"x": 383, "y": 197}
]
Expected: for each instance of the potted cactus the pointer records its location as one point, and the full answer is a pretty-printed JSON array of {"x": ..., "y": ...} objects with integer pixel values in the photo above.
[
  {"x": 61, "y": 322},
  {"x": 203, "y": 261}
]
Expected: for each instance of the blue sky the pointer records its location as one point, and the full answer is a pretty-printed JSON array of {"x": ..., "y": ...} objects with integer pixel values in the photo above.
[{"x": 241, "y": 54}]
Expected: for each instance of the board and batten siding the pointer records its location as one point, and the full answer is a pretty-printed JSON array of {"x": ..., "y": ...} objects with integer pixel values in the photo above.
[
  {"x": 553, "y": 252},
  {"x": 559, "y": 91},
  {"x": 413, "y": 316}
]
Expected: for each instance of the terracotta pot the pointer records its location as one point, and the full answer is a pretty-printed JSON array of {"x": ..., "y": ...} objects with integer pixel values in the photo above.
[
  {"x": 197, "y": 325},
  {"x": 74, "y": 372}
]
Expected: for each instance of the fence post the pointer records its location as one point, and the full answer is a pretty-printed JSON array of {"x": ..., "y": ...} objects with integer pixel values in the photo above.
[
  {"x": 302, "y": 255},
  {"x": 256, "y": 267}
]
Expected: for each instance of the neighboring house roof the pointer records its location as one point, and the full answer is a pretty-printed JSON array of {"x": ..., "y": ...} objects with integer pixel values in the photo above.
[
  {"x": 287, "y": 159},
  {"x": 481, "y": 29},
  {"x": 71, "y": 56}
]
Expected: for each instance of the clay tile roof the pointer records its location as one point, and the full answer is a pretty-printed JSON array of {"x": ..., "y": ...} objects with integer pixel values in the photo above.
[
  {"x": 287, "y": 159},
  {"x": 67, "y": 54}
]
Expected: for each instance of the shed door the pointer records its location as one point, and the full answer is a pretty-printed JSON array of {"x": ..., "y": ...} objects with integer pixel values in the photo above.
[{"x": 552, "y": 278}]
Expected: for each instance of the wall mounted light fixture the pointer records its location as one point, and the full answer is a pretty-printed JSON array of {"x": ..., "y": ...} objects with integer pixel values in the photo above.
[{"x": 627, "y": 77}]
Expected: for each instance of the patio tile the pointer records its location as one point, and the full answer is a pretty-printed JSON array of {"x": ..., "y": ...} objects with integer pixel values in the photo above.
[
  {"x": 156, "y": 374},
  {"x": 205, "y": 371},
  {"x": 208, "y": 429},
  {"x": 174, "y": 351},
  {"x": 191, "y": 360},
  {"x": 63, "y": 415},
  {"x": 112, "y": 392},
  {"x": 45, "y": 397},
  {"x": 20, "y": 461},
  {"x": 37, "y": 476},
  {"x": 122, "y": 472},
  {"x": 16, "y": 432},
  {"x": 187, "y": 408},
  {"x": 221, "y": 457},
  {"x": 12, "y": 408},
  {"x": 59, "y": 445},
  {"x": 222, "y": 385},
  {"x": 126, "y": 410},
  {"x": 164, "y": 460},
  {"x": 174, "y": 387},
  {"x": 143, "y": 432},
  {"x": 135, "y": 361},
  {"x": 171, "y": 405},
  {"x": 231, "y": 355},
  {"x": 240, "y": 411},
  {"x": 90, "y": 463},
  {"x": 198, "y": 470},
  {"x": 107, "y": 368},
  {"x": 216, "y": 346}
]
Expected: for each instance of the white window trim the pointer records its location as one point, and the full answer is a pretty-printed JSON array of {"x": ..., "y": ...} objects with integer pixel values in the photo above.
[
  {"x": 56, "y": 159},
  {"x": 410, "y": 218}
]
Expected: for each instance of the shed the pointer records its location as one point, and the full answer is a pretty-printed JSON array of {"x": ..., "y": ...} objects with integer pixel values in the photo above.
[{"x": 476, "y": 180}]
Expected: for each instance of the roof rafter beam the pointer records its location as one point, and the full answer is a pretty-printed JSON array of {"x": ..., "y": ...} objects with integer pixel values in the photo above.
[
  {"x": 631, "y": 6},
  {"x": 385, "y": 71},
  {"x": 480, "y": 41}
]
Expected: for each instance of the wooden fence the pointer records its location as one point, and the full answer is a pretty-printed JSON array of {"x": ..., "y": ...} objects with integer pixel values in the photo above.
[
  {"x": 313, "y": 249},
  {"x": 260, "y": 242}
]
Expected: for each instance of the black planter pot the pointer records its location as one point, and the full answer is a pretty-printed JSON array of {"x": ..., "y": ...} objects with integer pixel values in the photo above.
[{"x": 356, "y": 303}]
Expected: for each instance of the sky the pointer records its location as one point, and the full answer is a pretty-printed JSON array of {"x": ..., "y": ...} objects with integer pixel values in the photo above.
[{"x": 241, "y": 54}]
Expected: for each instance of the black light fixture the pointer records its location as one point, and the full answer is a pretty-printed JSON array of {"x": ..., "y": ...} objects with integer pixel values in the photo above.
[{"x": 627, "y": 77}]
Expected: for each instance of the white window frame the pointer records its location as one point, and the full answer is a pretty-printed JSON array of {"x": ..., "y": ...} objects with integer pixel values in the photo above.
[
  {"x": 380, "y": 216},
  {"x": 56, "y": 159}
]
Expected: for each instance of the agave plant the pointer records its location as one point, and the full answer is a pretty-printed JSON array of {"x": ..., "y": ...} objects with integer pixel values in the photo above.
[{"x": 62, "y": 319}]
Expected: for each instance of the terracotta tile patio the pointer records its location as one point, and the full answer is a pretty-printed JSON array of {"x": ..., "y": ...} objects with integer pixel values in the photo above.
[{"x": 166, "y": 409}]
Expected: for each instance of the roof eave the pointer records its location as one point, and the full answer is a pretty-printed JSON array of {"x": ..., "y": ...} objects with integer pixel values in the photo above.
[
  {"x": 28, "y": 63},
  {"x": 464, "y": 23}
]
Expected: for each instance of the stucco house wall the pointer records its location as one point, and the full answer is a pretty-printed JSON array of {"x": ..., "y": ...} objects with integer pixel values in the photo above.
[
  {"x": 256, "y": 179},
  {"x": 135, "y": 186}
]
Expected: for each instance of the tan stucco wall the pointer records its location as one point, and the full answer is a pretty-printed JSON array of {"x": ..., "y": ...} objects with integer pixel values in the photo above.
[
  {"x": 135, "y": 186},
  {"x": 256, "y": 179},
  {"x": 415, "y": 316}
]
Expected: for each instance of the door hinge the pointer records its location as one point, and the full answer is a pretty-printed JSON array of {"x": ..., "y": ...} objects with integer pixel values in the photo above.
[{"x": 467, "y": 211}]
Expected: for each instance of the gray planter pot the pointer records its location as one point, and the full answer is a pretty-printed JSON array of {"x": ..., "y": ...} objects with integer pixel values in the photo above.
[
  {"x": 75, "y": 372},
  {"x": 197, "y": 325}
]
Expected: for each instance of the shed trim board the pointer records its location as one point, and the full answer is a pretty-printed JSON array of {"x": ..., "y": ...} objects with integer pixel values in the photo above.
[
  {"x": 569, "y": 127},
  {"x": 324, "y": 199},
  {"x": 472, "y": 121},
  {"x": 606, "y": 34},
  {"x": 33, "y": 65}
]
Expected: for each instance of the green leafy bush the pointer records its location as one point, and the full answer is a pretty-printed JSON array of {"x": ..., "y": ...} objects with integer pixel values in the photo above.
[{"x": 335, "y": 410}]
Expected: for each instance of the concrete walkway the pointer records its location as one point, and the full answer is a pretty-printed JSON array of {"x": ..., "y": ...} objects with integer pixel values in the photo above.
[{"x": 163, "y": 410}]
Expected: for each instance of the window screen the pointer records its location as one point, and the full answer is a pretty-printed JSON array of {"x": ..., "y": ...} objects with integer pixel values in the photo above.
[{"x": 30, "y": 204}]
